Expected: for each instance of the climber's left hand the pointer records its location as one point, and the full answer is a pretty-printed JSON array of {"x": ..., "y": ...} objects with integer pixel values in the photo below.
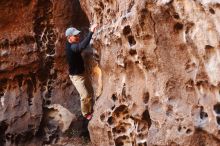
[{"x": 93, "y": 27}]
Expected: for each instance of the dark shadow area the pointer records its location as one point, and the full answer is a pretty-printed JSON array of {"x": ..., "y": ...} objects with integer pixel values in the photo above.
[
  {"x": 79, "y": 128},
  {"x": 217, "y": 108},
  {"x": 79, "y": 18},
  {"x": 3, "y": 128}
]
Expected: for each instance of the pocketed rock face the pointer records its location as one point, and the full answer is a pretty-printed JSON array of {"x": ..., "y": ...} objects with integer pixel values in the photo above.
[
  {"x": 33, "y": 67},
  {"x": 161, "y": 72}
]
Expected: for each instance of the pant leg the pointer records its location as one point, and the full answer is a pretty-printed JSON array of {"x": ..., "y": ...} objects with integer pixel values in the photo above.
[{"x": 79, "y": 81}]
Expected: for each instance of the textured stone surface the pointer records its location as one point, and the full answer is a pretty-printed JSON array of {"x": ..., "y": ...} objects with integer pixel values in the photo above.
[{"x": 161, "y": 72}]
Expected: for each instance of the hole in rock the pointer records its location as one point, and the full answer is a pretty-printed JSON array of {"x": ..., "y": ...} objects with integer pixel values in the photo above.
[
  {"x": 131, "y": 40},
  {"x": 101, "y": 5},
  {"x": 211, "y": 10},
  {"x": 127, "y": 30},
  {"x": 217, "y": 108},
  {"x": 202, "y": 82},
  {"x": 142, "y": 144},
  {"x": 108, "y": 11},
  {"x": 218, "y": 120},
  {"x": 120, "y": 109},
  {"x": 132, "y": 52},
  {"x": 188, "y": 131},
  {"x": 146, "y": 97},
  {"x": 50, "y": 49},
  {"x": 190, "y": 83},
  {"x": 178, "y": 26},
  {"x": 110, "y": 121},
  {"x": 120, "y": 141},
  {"x": 209, "y": 47},
  {"x": 146, "y": 117},
  {"x": 179, "y": 128},
  {"x": 114, "y": 97},
  {"x": 176, "y": 16},
  {"x": 141, "y": 135},
  {"x": 1, "y": 94},
  {"x": 203, "y": 115}
]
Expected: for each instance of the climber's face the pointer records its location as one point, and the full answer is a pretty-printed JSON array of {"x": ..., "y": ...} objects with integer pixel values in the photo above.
[{"x": 74, "y": 39}]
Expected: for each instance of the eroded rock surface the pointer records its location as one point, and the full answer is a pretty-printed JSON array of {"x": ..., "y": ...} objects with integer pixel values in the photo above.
[{"x": 161, "y": 72}]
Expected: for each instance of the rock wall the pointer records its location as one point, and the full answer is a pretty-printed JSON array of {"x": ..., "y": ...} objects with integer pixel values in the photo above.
[
  {"x": 161, "y": 72},
  {"x": 159, "y": 64},
  {"x": 34, "y": 82}
]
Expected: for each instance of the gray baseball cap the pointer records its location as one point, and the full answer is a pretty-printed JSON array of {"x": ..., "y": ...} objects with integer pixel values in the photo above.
[{"x": 71, "y": 31}]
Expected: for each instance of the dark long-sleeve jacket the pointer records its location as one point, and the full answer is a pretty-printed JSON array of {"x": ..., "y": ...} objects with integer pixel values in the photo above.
[{"x": 74, "y": 58}]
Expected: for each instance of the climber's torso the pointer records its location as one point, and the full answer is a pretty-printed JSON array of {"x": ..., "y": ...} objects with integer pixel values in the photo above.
[{"x": 75, "y": 60}]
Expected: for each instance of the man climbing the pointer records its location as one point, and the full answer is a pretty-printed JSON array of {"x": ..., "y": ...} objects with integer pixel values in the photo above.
[{"x": 76, "y": 67}]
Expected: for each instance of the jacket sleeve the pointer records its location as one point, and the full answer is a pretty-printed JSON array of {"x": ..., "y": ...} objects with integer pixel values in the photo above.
[{"x": 82, "y": 45}]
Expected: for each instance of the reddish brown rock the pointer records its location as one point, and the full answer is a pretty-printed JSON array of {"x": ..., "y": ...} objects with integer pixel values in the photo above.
[{"x": 158, "y": 84}]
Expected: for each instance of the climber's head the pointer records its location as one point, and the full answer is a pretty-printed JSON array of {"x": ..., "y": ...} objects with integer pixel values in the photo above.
[{"x": 72, "y": 35}]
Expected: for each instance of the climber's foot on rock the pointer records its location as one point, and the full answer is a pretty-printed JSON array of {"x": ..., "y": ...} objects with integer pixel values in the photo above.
[{"x": 88, "y": 116}]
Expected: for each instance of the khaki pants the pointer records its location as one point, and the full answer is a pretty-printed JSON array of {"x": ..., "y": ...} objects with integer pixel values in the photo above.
[{"x": 79, "y": 81}]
